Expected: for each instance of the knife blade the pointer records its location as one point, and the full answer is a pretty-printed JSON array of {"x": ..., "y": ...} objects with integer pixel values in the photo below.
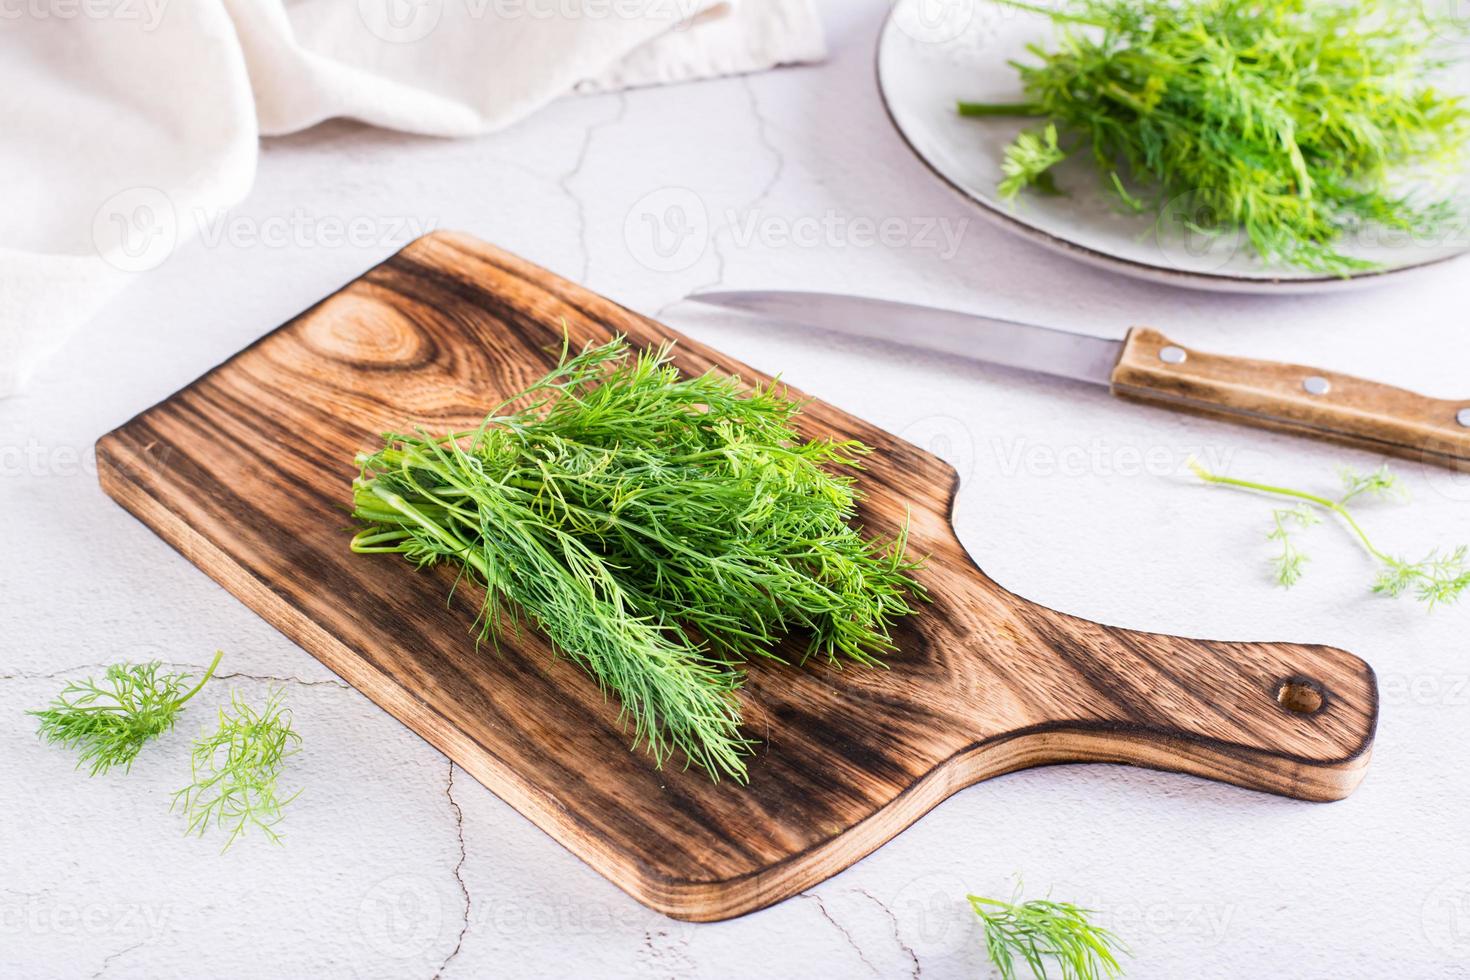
[
  {"x": 1024, "y": 346},
  {"x": 1146, "y": 366}
]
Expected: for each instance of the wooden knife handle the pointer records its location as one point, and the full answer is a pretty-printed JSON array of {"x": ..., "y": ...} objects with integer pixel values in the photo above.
[{"x": 1290, "y": 398}]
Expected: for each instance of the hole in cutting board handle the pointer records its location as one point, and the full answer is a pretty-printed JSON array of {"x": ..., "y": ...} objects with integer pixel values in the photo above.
[{"x": 1301, "y": 696}]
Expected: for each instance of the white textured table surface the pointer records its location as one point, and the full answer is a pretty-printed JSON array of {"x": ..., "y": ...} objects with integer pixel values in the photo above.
[{"x": 398, "y": 865}]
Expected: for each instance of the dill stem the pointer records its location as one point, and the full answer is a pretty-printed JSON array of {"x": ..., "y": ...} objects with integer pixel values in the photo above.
[
  {"x": 207, "y": 675},
  {"x": 1324, "y": 502},
  {"x": 975, "y": 109},
  {"x": 443, "y": 534},
  {"x": 1055, "y": 15}
]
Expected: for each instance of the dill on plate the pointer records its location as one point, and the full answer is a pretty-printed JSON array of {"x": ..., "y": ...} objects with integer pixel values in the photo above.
[{"x": 1298, "y": 122}]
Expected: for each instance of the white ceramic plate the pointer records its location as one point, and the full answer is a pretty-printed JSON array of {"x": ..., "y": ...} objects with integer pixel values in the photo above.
[{"x": 933, "y": 53}]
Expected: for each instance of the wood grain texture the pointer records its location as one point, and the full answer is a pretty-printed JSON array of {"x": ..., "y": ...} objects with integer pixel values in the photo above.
[
  {"x": 1271, "y": 395},
  {"x": 248, "y": 471}
]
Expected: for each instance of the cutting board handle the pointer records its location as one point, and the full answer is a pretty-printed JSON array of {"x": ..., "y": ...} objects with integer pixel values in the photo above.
[{"x": 1292, "y": 719}]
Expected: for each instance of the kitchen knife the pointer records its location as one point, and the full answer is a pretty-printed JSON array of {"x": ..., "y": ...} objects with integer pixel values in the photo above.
[{"x": 1146, "y": 366}]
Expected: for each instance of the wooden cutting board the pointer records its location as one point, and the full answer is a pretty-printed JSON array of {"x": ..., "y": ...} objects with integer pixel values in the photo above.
[{"x": 247, "y": 472}]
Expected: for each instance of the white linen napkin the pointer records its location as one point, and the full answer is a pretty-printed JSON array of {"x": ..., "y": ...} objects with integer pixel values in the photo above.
[{"x": 119, "y": 115}]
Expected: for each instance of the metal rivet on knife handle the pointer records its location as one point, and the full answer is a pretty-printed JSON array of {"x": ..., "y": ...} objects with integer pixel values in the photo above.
[
  {"x": 1295, "y": 398},
  {"x": 1147, "y": 366}
]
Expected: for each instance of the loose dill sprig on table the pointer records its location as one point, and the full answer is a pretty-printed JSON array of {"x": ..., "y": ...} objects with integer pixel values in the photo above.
[
  {"x": 1440, "y": 577},
  {"x": 658, "y": 529},
  {"x": 1042, "y": 934},
  {"x": 235, "y": 770},
  {"x": 110, "y": 722},
  {"x": 1290, "y": 119}
]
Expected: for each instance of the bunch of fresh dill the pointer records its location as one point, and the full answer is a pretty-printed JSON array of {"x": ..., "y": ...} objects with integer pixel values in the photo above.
[
  {"x": 658, "y": 529},
  {"x": 1293, "y": 120}
]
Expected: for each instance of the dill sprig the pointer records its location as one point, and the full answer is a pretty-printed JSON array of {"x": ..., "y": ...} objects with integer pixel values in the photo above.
[
  {"x": 658, "y": 529},
  {"x": 1040, "y": 931},
  {"x": 1442, "y": 576},
  {"x": 110, "y": 722},
  {"x": 1293, "y": 120},
  {"x": 235, "y": 770}
]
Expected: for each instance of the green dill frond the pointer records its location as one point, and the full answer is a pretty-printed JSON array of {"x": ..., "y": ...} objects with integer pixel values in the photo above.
[
  {"x": 1297, "y": 122},
  {"x": 658, "y": 529},
  {"x": 235, "y": 770},
  {"x": 1441, "y": 577},
  {"x": 1288, "y": 563},
  {"x": 1378, "y": 485},
  {"x": 1028, "y": 162},
  {"x": 110, "y": 722},
  {"x": 1045, "y": 935}
]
